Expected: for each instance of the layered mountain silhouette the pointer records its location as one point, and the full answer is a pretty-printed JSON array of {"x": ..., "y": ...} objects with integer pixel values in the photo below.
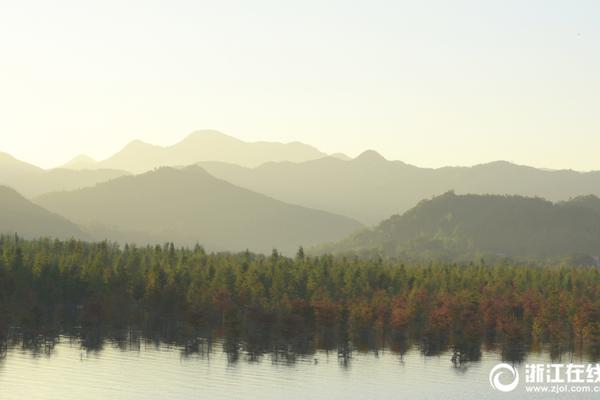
[
  {"x": 204, "y": 145},
  {"x": 452, "y": 226},
  {"x": 31, "y": 181},
  {"x": 260, "y": 182},
  {"x": 370, "y": 188},
  {"x": 21, "y": 216},
  {"x": 189, "y": 206},
  {"x": 80, "y": 162}
]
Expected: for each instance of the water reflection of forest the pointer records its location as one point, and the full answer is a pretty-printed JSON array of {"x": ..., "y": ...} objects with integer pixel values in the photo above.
[
  {"x": 98, "y": 292},
  {"x": 253, "y": 342}
]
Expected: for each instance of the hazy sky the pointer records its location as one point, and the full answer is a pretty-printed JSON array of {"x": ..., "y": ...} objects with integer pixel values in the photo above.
[{"x": 427, "y": 82}]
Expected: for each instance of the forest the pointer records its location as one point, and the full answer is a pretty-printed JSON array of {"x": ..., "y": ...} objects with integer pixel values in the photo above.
[
  {"x": 463, "y": 227},
  {"x": 52, "y": 283}
]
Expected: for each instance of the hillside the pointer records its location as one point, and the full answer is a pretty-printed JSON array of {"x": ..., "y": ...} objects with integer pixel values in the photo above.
[
  {"x": 450, "y": 226},
  {"x": 80, "y": 162},
  {"x": 189, "y": 206},
  {"x": 32, "y": 181},
  {"x": 19, "y": 215},
  {"x": 206, "y": 145},
  {"x": 370, "y": 188},
  {"x": 590, "y": 202}
]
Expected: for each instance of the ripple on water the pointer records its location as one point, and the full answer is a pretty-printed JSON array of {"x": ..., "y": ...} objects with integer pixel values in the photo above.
[{"x": 165, "y": 372}]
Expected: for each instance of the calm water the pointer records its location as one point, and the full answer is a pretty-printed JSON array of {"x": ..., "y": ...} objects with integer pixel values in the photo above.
[{"x": 150, "y": 371}]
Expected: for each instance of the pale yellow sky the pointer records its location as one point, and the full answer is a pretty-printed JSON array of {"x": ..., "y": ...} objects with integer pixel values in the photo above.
[{"x": 431, "y": 83}]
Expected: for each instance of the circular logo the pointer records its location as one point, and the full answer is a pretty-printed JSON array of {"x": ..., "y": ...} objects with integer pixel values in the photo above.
[{"x": 500, "y": 369}]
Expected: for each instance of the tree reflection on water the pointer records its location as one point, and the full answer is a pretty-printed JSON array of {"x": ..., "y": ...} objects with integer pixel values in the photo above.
[{"x": 254, "y": 342}]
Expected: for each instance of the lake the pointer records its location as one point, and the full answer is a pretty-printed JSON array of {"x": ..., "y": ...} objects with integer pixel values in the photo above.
[{"x": 67, "y": 368}]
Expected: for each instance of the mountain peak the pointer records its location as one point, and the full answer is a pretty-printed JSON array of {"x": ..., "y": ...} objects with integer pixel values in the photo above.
[
  {"x": 81, "y": 161},
  {"x": 207, "y": 135},
  {"x": 136, "y": 143},
  {"x": 340, "y": 156},
  {"x": 187, "y": 205},
  {"x": 498, "y": 164},
  {"x": 370, "y": 156}
]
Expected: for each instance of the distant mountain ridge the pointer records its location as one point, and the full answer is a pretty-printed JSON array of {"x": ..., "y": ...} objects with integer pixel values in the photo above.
[
  {"x": 367, "y": 188},
  {"x": 19, "y": 215},
  {"x": 370, "y": 188},
  {"x": 452, "y": 226},
  {"x": 206, "y": 145},
  {"x": 80, "y": 162},
  {"x": 189, "y": 206},
  {"x": 31, "y": 181}
]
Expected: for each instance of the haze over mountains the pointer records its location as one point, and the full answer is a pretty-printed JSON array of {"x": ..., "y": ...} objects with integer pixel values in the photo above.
[
  {"x": 17, "y": 214},
  {"x": 453, "y": 226},
  {"x": 81, "y": 162},
  {"x": 370, "y": 188},
  {"x": 273, "y": 195},
  {"x": 31, "y": 181},
  {"x": 205, "y": 145},
  {"x": 189, "y": 206}
]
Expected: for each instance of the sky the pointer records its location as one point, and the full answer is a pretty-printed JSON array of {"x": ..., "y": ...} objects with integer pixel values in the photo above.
[{"x": 431, "y": 83}]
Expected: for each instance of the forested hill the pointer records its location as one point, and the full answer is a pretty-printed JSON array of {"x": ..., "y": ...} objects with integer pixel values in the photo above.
[
  {"x": 453, "y": 226},
  {"x": 189, "y": 206},
  {"x": 19, "y": 215}
]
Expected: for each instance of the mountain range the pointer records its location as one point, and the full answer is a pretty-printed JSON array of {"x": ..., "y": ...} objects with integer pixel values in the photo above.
[
  {"x": 204, "y": 145},
  {"x": 189, "y": 206},
  {"x": 229, "y": 195},
  {"x": 370, "y": 188},
  {"x": 31, "y": 181},
  {"x": 453, "y": 226},
  {"x": 19, "y": 215}
]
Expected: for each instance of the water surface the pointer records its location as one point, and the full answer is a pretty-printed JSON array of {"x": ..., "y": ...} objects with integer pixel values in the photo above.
[{"x": 146, "y": 370}]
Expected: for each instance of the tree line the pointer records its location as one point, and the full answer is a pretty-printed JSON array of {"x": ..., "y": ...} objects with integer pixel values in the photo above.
[{"x": 46, "y": 280}]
